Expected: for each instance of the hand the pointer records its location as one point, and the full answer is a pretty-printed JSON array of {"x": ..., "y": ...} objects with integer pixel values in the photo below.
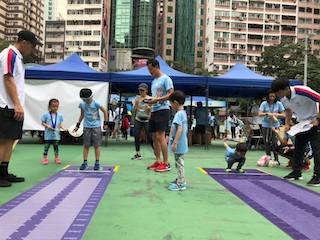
[
  {"x": 286, "y": 128},
  {"x": 50, "y": 128},
  {"x": 275, "y": 130},
  {"x": 152, "y": 101},
  {"x": 18, "y": 113},
  {"x": 174, "y": 146},
  {"x": 64, "y": 129},
  {"x": 75, "y": 129},
  {"x": 315, "y": 122},
  {"x": 285, "y": 149},
  {"x": 105, "y": 127}
]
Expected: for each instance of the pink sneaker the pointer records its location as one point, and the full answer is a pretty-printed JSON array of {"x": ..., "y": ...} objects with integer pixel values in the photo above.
[
  {"x": 263, "y": 161},
  {"x": 57, "y": 160},
  {"x": 45, "y": 161}
]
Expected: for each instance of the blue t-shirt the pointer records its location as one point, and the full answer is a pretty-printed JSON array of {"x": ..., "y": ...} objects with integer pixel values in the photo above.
[
  {"x": 180, "y": 119},
  {"x": 159, "y": 88},
  {"x": 53, "y": 120},
  {"x": 91, "y": 114},
  {"x": 265, "y": 107},
  {"x": 230, "y": 154}
]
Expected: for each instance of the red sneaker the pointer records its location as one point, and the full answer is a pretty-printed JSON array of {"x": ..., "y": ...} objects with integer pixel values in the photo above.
[
  {"x": 163, "y": 167},
  {"x": 57, "y": 160},
  {"x": 45, "y": 161},
  {"x": 153, "y": 165},
  {"x": 306, "y": 166}
]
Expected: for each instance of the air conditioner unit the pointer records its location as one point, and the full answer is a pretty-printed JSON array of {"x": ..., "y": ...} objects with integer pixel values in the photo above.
[
  {"x": 218, "y": 18},
  {"x": 221, "y": 39},
  {"x": 241, "y": 18},
  {"x": 234, "y": 7}
]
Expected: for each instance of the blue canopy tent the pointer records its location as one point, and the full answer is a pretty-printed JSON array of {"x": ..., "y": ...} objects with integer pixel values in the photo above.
[
  {"x": 72, "y": 68},
  {"x": 240, "y": 81},
  {"x": 127, "y": 82}
]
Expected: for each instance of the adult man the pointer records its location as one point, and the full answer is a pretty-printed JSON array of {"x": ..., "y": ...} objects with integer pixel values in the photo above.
[
  {"x": 161, "y": 89},
  {"x": 302, "y": 101},
  {"x": 12, "y": 100}
]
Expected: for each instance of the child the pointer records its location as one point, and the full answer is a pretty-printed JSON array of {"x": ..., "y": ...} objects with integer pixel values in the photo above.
[
  {"x": 92, "y": 134},
  {"x": 179, "y": 140},
  {"x": 52, "y": 121},
  {"x": 125, "y": 124},
  {"x": 235, "y": 155}
]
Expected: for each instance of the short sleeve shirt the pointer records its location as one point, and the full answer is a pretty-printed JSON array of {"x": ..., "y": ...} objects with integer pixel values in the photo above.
[
  {"x": 11, "y": 63},
  {"x": 91, "y": 114},
  {"x": 53, "y": 120},
  {"x": 180, "y": 119},
  {"x": 230, "y": 155},
  {"x": 265, "y": 107},
  {"x": 159, "y": 88}
]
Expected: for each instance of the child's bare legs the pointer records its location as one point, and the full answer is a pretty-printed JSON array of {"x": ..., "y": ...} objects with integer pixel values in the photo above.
[
  {"x": 97, "y": 152},
  {"x": 85, "y": 153}
]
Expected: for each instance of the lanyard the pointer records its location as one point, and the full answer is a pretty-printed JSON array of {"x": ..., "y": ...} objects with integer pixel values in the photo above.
[{"x": 53, "y": 123}]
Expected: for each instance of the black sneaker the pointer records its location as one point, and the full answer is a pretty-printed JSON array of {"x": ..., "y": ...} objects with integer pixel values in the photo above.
[
  {"x": 4, "y": 183},
  {"x": 315, "y": 181},
  {"x": 294, "y": 175},
  {"x": 136, "y": 157},
  {"x": 14, "y": 179}
]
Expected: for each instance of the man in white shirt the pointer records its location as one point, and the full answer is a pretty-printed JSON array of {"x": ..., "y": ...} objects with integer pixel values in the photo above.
[
  {"x": 12, "y": 100},
  {"x": 304, "y": 103}
]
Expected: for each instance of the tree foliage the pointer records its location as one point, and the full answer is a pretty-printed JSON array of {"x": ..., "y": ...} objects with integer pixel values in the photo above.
[{"x": 287, "y": 60}]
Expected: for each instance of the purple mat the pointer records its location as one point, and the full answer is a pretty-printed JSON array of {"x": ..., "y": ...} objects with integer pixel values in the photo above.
[
  {"x": 60, "y": 207},
  {"x": 294, "y": 209}
]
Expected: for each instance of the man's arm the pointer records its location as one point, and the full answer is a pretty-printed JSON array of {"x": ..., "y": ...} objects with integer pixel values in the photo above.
[
  {"x": 163, "y": 98},
  {"x": 11, "y": 88}
]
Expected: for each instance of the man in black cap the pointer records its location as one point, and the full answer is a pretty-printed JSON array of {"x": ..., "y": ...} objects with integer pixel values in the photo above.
[{"x": 12, "y": 100}]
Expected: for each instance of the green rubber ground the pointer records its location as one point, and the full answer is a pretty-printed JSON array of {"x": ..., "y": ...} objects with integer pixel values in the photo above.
[{"x": 137, "y": 205}]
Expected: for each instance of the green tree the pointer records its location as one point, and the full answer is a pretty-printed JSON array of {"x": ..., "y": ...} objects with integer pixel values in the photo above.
[
  {"x": 3, "y": 44},
  {"x": 287, "y": 60}
]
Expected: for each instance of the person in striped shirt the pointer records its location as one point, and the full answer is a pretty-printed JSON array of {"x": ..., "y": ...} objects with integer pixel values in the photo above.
[{"x": 304, "y": 103}]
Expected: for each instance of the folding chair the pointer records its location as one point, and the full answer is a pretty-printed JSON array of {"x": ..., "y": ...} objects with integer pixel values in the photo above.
[{"x": 256, "y": 136}]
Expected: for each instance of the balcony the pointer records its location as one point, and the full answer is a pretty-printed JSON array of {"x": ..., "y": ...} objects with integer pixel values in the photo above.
[
  {"x": 237, "y": 40},
  {"x": 255, "y": 41},
  {"x": 288, "y": 33},
  {"x": 221, "y": 50},
  {"x": 271, "y": 42}
]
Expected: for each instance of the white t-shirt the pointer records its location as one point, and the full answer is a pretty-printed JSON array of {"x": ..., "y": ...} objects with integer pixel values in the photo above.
[
  {"x": 11, "y": 63},
  {"x": 303, "y": 103},
  {"x": 256, "y": 119}
]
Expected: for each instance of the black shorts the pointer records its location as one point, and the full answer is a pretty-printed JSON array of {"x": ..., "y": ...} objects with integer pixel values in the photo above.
[
  {"x": 111, "y": 125},
  {"x": 159, "y": 121},
  {"x": 10, "y": 129},
  {"x": 201, "y": 129}
]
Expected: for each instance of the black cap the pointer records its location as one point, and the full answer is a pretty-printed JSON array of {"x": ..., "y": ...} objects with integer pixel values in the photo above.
[
  {"x": 28, "y": 36},
  {"x": 85, "y": 93}
]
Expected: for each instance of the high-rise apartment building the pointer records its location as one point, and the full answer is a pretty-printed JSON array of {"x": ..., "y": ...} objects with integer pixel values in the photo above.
[
  {"x": 55, "y": 9},
  {"x": 54, "y": 47},
  {"x": 84, "y": 25},
  {"x": 17, "y": 15},
  {"x": 309, "y": 22},
  {"x": 132, "y": 35}
]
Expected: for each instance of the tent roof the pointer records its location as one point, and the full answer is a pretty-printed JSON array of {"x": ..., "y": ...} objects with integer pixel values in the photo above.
[
  {"x": 128, "y": 81},
  {"x": 240, "y": 81},
  {"x": 72, "y": 68}
]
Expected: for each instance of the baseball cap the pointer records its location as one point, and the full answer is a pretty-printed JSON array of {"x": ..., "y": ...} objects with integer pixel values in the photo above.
[
  {"x": 143, "y": 86},
  {"x": 28, "y": 36}
]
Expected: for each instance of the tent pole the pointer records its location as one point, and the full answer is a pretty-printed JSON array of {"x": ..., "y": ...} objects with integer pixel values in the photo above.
[
  {"x": 190, "y": 111},
  {"x": 206, "y": 138},
  {"x": 108, "y": 108},
  {"x": 227, "y": 114}
]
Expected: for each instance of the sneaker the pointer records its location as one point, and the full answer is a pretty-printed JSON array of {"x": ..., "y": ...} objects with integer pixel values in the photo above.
[
  {"x": 13, "y": 178},
  {"x": 96, "y": 167},
  {"x": 241, "y": 170},
  {"x": 177, "y": 187},
  {"x": 45, "y": 161},
  {"x": 84, "y": 166},
  {"x": 163, "y": 167},
  {"x": 306, "y": 166},
  {"x": 136, "y": 157},
  {"x": 4, "y": 183},
  {"x": 294, "y": 175},
  {"x": 315, "y": 181},
  {"x": 173, "y": 182},
  {"x": 57, "y": 160},
  {"x": 153, "y": 166},
  {"x": 228, "y": 170}
]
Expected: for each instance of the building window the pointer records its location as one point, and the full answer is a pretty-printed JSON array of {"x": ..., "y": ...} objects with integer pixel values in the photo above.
[
  {"x": 169, "y": 19},
  {"x": 169, "y": 30},
  {"x": 169, "y": 41},
  {"x": 170, "y": 9},
  {"x": 199, "y": 54},
  {"x": 168, "y": 52}
]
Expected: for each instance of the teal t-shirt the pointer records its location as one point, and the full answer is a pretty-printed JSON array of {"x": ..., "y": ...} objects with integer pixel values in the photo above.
[
  {"x": 265, "y": 107},
  {"x": 159, "y": 88},
  {"x": 180, "y": 119},
  {"x": 91, "y": 114},
  {"x": 53, "y": 120}
]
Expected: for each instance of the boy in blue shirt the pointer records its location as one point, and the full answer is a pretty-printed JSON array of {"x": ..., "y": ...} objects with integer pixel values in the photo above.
[
  {"x": 235, "y": 155},
  {"x": 92, "y": 134},
  {"x": 179, "y": 141}
]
